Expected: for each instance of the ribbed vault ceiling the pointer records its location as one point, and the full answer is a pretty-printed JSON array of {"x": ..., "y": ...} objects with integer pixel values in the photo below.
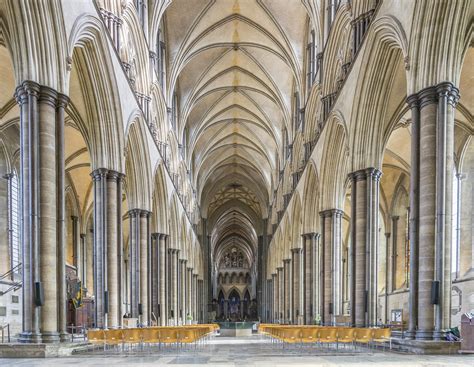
[{"x": 235, "y": 66}]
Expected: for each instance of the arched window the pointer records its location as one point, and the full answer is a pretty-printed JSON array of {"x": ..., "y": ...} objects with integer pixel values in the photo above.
[{"x": 160, "y": 66}]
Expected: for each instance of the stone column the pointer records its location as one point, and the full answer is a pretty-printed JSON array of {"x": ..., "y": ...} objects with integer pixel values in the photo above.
[
  {"x": 60, "y": 221},
  {"x": 281, "y": 294},
  {"x": 364, "y": 228},
  {"x": 394, "y": 263},
  {"x": 143, "y": 278},
  {"x": 162, "y": 281},
  {"x": 260, "y": 276},
  {"x": 173, "y": 260},
  {"x": 274, "y": 297},
  {"x": 84, "y": 260},
  {"x": 27, "y": 98},
  {"x": 154, "y": 272},
  {"x": 298, "y": 292},
  {"x": 387, "y": 274},
  {"x": 436, "y": 165},
  {"x": 414, "y": 215},
  {"x": 42, "y": 207},
  {"x": 90, "y": 262},
  {"x": 189, "y": 296},
  {"x": 76, "y": 249},
  {"x": 195, "y": 295},
  {"x": 331, "y": 248},
  {"x": 107, "y": 247},
  {"x": 133, "y": 260},
  {"x": 269, "y": 306},
  {"x": 114, "y": 260},
  {"x": 287, "y": 292},
  {"x": 183, "y": 289},
  {"x": 308, "y": 277}
]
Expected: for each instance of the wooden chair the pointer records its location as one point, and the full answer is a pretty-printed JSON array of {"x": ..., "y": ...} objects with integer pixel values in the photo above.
[
  {"x": 345, "y": 335},
  {"x": 113, "y": 337},
  {"x": 364, "y": 336},
  {"x": 96, "y": 337},
  {"x": 309, "y": 335},
  {"x": 132, "y": 337},
  {"x": 151, "y": 336},
  {"x": 382, "y": 336},
  {"x": 291, "y": 335},
  {"x": 169, "y": 336},
  {"x": 327, "y": 335},
  {"x": 187, "y": 336}
]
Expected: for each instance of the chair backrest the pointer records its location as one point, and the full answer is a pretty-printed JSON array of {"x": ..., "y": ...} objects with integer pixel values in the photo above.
[
  {"x": 382, "y": 333},
  {"x": 309, "y": 332},
  {"x": 169, "y": 335},
  {"x": 292, "y": 333},
  {"x": 327, "y": 333},
  {"x": 133, "y": 335},
  {"x": 95, "y": 335},
  {"x": 364, "y": 333},
  {"x": 150, "y": 335},
  {"x": 113, "y": 335},
  {"x": 345, "y": 333}
]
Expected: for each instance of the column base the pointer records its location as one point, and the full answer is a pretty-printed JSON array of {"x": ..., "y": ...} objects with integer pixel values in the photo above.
[
  {"x": 424, "y": 335},
  {"x": 439, "y": 335},
  {"x": 30, "y": 337},
  {"x": 64, "y": 337},
  {"x": 50, "y": 337},
  {"x": 410, "y": 335}
]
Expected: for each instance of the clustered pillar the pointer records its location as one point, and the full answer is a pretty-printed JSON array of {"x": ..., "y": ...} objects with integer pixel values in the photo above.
[
  {"x": 297, "y": 289},
  {"x": 331, "y": 297},
  {"x": 432, "y": 167},
  {"x": 107, "y": 247},
  {"x": 42, "y": 232},
  {"x": 364, "y": 233}
]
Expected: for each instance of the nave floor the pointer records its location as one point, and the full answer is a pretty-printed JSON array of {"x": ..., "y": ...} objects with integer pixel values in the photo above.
[{"x": 250, "y": 351}]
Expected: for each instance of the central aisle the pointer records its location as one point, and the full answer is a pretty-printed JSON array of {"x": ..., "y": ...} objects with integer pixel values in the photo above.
[{"x": 249, "y": 351}]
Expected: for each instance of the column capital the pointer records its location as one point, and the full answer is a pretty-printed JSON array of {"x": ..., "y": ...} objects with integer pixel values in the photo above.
[
  {"x": 144, "y": 213},
  {"x": 365, "y": 173},
  {"x": 286, "y": 261},
  {"x": 183, "y": 261},
  {"x": 83, "y": 235},
  {"x": 432, "y": 94},
  {"x": 395, "y": 217},
  {"x": 62, "y": 101},
  {"x": 195, "y": 275},
  {"x": 310, "y": 235},
  {"x": 449, "y": 91},
  {"x": 331, "y": 212},
  {"x": 189, "y": 269},
  {"x": 296, "y": 250},
  {"x": 75, "y": 218},
  {"x": 8, "y": 176},
  {"x": 99, "y": 173},
  {"x": 279, "y": 268},
  {"x": 155, "y": 236},
  {"x": 373, "y": 172},
  {"x": 48, "y": 95},
  {"x": 26, "y": 89}
]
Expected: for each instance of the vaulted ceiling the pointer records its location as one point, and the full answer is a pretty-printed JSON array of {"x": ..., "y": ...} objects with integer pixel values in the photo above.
[{"x": 235, "y": 66}]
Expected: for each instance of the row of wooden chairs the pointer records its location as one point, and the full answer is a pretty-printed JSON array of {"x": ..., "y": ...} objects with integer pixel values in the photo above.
[
  {"x": 149, "y": 336},
  {"x": 302, "y": 334}
]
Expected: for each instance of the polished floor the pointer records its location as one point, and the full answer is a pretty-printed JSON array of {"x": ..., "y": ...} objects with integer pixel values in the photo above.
[{"x": 251, "y": 351}]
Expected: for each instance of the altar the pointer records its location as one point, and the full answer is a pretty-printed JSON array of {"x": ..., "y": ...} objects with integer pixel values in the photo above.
[{"x": 236, "y": 329}]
